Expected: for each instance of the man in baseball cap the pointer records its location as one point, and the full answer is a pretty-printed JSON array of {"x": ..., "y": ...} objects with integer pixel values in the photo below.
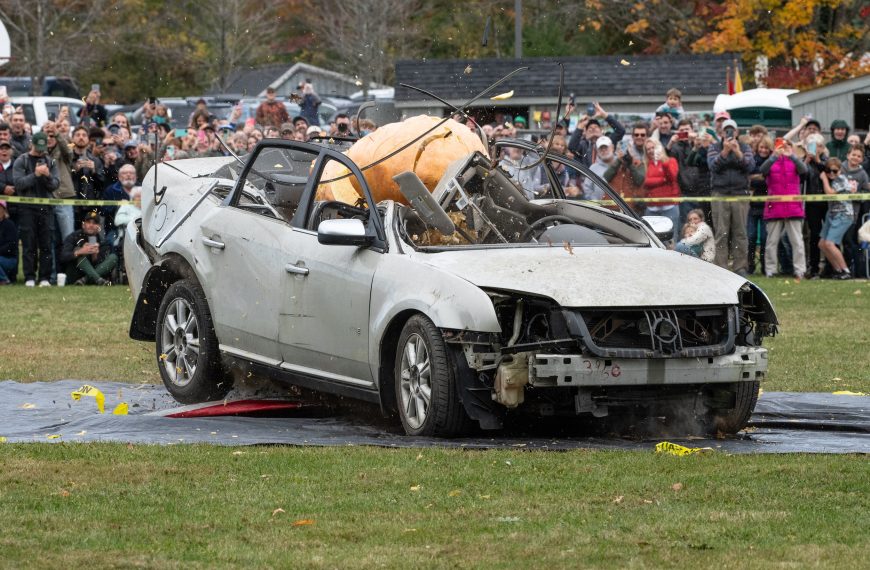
[{"x": 86, "y": 254}]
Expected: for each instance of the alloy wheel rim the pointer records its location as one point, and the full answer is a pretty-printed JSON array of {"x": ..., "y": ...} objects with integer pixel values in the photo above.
[
  {"x": 415, "y": 381},
  {"x": 179, "y": 343}
]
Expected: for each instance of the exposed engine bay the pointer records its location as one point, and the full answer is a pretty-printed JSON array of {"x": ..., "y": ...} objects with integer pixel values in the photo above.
[{"x": 478, "y": 203}]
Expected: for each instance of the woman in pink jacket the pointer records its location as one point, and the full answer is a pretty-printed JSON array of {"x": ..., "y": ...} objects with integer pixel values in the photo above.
[{"x": 783, "y": 172}]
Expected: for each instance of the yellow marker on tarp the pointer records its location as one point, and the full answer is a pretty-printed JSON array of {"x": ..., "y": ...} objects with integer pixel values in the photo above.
[
  {"x": 52, "y": 435},
  {"x": 848, "y": 393},
  {"x": 674, "y": 449},
  {"x": 92, "y": 392},
  {"x": 121, "y": 409}
]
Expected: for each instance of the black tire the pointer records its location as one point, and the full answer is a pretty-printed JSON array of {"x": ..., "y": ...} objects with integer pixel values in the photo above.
[
  {"x": 187, "y": 348},
  {"x": 735, "y": 419},
  {"x": 427, "y": 397}
]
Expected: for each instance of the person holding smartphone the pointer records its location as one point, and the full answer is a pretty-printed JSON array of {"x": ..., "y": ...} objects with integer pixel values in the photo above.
[
  {"x": 86, "y": 255},
  {"x": 88, "y": 173},
  {"x": 93, "y": 110},
  {"x": 730, "y": 162}
]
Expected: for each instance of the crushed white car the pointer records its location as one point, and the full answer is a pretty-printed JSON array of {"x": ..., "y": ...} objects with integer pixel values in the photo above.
[{"x": 460, "y": 306}]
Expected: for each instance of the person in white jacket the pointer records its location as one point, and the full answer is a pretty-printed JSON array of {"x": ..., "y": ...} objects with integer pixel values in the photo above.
[
  {"x": 703, "y": 236},
  {"x": 127, "y": 213}
]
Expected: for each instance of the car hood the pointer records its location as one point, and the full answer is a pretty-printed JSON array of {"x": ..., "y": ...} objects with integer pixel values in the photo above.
[
  {"x": 594, "y": 276},
  {"x": 196, "y": 167}
]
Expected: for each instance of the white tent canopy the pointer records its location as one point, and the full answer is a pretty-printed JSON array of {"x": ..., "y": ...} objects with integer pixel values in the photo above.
[{"x": 776, "y": 98}]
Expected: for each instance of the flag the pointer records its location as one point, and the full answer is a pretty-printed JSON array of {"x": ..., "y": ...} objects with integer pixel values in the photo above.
[
  {"x": 738, "y": 83},
  {"x": 728, "y": 80}
]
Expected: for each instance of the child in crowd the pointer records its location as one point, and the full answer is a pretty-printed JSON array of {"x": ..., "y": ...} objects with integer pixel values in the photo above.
[
  {"x": 701, "y": 235},
  {"x": 687, "y": 232},
  {"x": 838, "y": 219},
  {"x": 673, "y": 104}
]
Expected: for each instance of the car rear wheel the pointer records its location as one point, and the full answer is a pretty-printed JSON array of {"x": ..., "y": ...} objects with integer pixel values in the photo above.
[
  {"x": 425, "y": 383},
  {"x": 187, "y": 348},
  {"x": 735, "y": 419}
]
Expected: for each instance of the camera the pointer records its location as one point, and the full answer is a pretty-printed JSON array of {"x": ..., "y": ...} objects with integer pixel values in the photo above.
[{"x": 342, "y": 127}]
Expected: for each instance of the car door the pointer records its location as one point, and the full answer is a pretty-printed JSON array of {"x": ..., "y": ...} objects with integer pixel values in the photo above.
[
  {"x": 324, "y": 327},
  {"x": 243, "y": 268},
  {"x": 325, "y": 319}
]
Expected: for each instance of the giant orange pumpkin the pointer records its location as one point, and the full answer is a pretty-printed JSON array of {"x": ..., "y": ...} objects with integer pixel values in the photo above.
[{"x": 428, "y": 157}]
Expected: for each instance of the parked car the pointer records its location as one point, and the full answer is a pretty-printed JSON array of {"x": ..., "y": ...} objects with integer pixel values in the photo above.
[
  {"x": 470, "y": 304},
  {"x": 38, "y": 110},
  {"x": 180, "y": 109},
  {"x": 52, "y": 86}
]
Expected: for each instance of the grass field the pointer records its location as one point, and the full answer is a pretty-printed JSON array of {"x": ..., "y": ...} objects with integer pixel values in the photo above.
[
  {"x": 122, "y": 506},
  {"x": 118, "y": 506},
  {"x": 81, "y": 333}
]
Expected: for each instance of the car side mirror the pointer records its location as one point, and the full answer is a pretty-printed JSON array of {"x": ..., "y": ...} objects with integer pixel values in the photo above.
[
  {"x": 661, "y": 226},
  {"x": 343, "y": 232}
]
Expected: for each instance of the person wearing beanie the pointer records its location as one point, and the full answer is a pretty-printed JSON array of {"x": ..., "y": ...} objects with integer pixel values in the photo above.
[{"x": 838, "y": 147}]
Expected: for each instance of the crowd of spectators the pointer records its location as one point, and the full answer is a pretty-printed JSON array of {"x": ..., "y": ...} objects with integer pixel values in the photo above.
[
  {"x": 105, "y": 157},
  {"x": 675, "y": 157}
]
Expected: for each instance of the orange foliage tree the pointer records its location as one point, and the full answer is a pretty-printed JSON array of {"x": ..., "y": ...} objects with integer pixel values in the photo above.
[{"x": 807, "y": 42}]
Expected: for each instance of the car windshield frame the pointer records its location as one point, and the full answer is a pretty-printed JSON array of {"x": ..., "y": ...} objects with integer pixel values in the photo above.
[
  {"x": 324, "y": 154},
  {"x": 612, "y": 194}
]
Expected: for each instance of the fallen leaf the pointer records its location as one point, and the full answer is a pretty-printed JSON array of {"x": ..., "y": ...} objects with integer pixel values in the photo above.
[
  {"x": 64, "y": 493},
  {"x": 238, "y": 453},
  {"x": 129, "y": 447},
  {"x": 624, "y": 62},
  {"x": 278, "y": 510},
  {"x": 303, "y": 522},
  {"x": 677, "y": 486},
  {"x": 503, "y": 96},
  {"x": 483, "y": 496},
  {"x": 857, "y": 292},
  {"x": 415, "y": 488},
  {"x": 419, "y": 456},
  {"x": 468, "y": 70},
  {"x": 618, "y": 500},
  {"x": 410, "y": 530},
  {"x": 454, "y": 493},
  {"x": 647, "y": 502},
  {"x": 28, "y": 406},
  {"x": 508, "y": 519}
]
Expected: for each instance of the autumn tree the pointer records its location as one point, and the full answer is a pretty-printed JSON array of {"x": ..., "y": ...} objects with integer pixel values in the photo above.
[
  {"x": 807, "y": 42},
  {"x": 52, "y": 38},
  {"x": 365, "y": 37}
]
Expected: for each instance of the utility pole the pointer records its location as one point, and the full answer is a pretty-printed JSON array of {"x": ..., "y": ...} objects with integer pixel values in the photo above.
[{"x": 518, "y": 29}]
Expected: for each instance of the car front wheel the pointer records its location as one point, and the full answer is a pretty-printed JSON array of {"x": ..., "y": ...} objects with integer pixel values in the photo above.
[
  {"x": 187, "y": 348},
  {"x": 425, "y": 382},
  {"x": 733, "y": 420}
]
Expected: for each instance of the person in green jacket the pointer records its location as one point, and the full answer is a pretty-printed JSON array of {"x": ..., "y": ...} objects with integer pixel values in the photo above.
[{"x": 838, "y": 146}]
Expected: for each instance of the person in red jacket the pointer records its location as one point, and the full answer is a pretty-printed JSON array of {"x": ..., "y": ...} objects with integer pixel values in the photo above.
[{"x": 661, "y": 181}]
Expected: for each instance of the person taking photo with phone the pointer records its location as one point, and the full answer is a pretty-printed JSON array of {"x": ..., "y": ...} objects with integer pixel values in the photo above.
[
  {"x": 87, "y": 171},
  {"x": 86, "y": 255},
  {"x": 730, "y": 163},
  {"x": 36, "y": 176}
]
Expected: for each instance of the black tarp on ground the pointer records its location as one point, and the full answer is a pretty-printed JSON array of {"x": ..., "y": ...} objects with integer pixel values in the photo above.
[{"x": 784, "y": 422}]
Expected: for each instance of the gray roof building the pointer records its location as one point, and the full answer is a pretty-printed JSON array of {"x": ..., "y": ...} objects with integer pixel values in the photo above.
[
  {"x": 622, "y": 84},
  {"x": 253, "y": 81},
  {"x": 848, "y": 100}
]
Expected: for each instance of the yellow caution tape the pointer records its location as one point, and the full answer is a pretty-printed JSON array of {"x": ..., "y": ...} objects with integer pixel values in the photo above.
[
  {"x": 92, "y": 392},
  {"x": 847, "y": 393},
  {"x": 788, "y": 198},
  {"x": 674, "y": 449},
  {"x": 121, "y": 409},
  {"x": 62, "y": 201}
]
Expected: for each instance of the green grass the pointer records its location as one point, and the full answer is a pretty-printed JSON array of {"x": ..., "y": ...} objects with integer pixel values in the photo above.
[
  {"x": 82, "y": 333},
  {"x": 111, "y": 505}
]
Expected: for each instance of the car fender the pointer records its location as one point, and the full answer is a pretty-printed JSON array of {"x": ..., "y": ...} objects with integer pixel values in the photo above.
[{"x": 403, "y": 286}]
